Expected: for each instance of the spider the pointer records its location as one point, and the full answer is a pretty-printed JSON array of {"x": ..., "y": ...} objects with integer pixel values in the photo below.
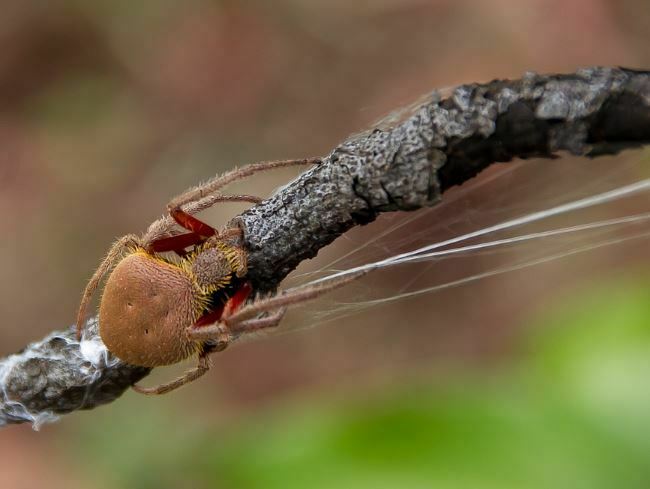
[{"x": 157, "y": 310}]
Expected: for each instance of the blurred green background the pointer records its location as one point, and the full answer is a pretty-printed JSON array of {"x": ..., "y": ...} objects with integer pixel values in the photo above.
[{"x": 536, "y": 378}]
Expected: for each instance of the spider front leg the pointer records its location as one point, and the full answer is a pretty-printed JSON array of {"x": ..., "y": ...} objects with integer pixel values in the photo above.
[
  {"x": 206, "y": 190},
  {"x": 160, "y": 235},
  {"x": 177, "y": 243},
  {"x": 189, "y": 376},
  {"x": 289, "y": 297},
  {"x": 209, "y": 327},
  {"x": 199, "y": 232},
  {"x": 224, "y": 334},
  {"x": 206, "y": 195},
  {"x": 245, "y": 320}
]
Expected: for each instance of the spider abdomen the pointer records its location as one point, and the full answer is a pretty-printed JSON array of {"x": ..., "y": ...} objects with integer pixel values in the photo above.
[{"x": 145, "y": 309}]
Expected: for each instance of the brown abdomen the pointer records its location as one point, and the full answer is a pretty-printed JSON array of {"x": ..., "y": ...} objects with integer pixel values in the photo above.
[{"x": 145, "y": 309}]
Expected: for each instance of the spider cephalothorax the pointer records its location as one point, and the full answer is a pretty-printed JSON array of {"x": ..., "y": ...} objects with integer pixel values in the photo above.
[{"x": 157, "y": 310}]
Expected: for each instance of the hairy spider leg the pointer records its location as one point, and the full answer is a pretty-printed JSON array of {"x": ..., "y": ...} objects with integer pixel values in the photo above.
[
  {"x": 179, "y": 242},
  {"x": 216, "y": 183},
  {"x": 189, "y": 376},
  {"x": 204, "y": 197},
  {"x": 245, "y": 321},
  {"x": 192, "y": 224},
  {"x": 188, "y": 221},
  {"x": 175, "y": 243},
  {"x": 222, "y": 333},
  {"x": 290, "y": 297},
  {"x": 199, "y": 231},
  {"x": 232, "y": 304},
  {"x": 163, "y": 228},
  {"x": 198, "y": 227}
]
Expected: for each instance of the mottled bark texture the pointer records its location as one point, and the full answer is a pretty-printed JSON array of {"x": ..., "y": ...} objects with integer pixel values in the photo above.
[
  {"x": 405, "y": 163},
  {"x": 439, "y": 143}
]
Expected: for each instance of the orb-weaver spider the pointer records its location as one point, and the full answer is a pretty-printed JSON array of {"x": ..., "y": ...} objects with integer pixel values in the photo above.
[{"x": 157, "y": 311}]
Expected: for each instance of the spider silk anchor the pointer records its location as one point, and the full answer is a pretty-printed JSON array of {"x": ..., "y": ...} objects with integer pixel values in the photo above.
[{"x": 157, "y": 309}]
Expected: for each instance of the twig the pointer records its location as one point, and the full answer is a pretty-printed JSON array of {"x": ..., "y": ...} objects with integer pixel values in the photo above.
[{"x": 405, "y": 163}]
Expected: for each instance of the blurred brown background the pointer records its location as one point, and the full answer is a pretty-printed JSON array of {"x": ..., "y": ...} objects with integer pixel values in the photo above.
[{"x": 108, "y": 109}]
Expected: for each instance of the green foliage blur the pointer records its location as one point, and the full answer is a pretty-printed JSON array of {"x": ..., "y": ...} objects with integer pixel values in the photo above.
[{"x": 572, "y": 411}]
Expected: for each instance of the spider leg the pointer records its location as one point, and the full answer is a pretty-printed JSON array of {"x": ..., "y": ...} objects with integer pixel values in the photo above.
[
  {"x": 162, "y": 228},
  {"x": 185, "y": 219},
  {"x": 189, "y": 376},
  {"x": 191, "y": 223},
  {"x": 257, "y": 324},
  {"x": 288, "y": 298},
  {"x": 233, "y": 323},
  {"x": 208, "y": 321},
  {"x": 106, "y": 264},
  {"x": 224, "y": 334},
  {"x": 217, "y": 331},
  {"x": 204, "y": 196},
  {"x": 197, "y": 194},
  {"x": 210, "y": 200},
  {"x": 176, "y": 243},
  {"x": 237, "y": 300}
]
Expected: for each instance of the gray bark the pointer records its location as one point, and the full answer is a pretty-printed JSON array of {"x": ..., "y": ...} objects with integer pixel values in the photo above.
[{"x": 404, "y": 163}]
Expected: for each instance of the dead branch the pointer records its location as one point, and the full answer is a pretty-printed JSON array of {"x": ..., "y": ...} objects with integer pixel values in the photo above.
[{"x": 405, "y": 163}]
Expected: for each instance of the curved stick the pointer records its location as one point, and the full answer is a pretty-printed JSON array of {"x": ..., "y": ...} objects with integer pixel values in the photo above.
[{"x": 404, "y": 165}]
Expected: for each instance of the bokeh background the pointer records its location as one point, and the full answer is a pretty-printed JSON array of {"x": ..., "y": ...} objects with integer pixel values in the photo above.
[{"x": 535, "y": 378}]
